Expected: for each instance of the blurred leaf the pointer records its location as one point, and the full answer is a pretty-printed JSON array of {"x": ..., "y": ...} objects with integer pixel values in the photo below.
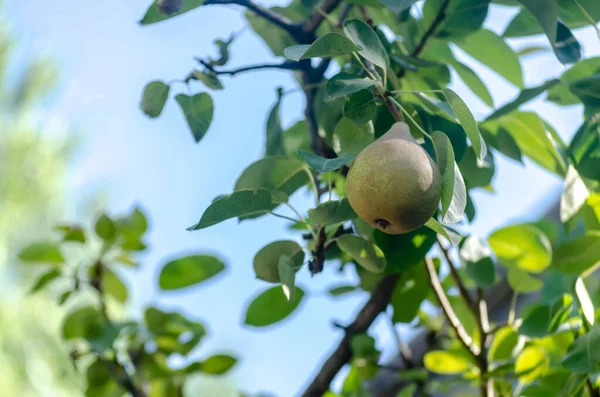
[
  {"x": 397, "y": 6},
  {"x": 532, "y": 362},
  {"x": 522, "y": 282},
  {"x": 154, "y": 98},
  {"x": 218, "y": 364},
  {"x": 73, "y": 233},
  {"x": 478, "y": 264},
  {"x": 237, "y": 204},
  {"x": 523, "y": 246},
  {"x": 42, "y": 252},
  {"x": 85, "y": 322},
  {"x": 350, "y": 138},
  {"x": 573, "y": 196},
  {"x": 44, "y": 279},
  {"x": 541, "y": 320},
  {"x": 153, "y": 15},
  {"x": 198, "y": 111},
  {"x": 100, "y": 382},
  {"x": 591, "y": 212},
  {"x": 223, "y": 46},
  {"x": 450, "y": 234},
  {"x": 586, "y": 89},
  {"x": 327, "y": 46},
  {"x": 173, "y": 332},
  {"x": 504, "y": 343},
  {"x": 446, "y": 362},
  {"x": 579, "y": 256},
  {"x": 365, "y": 38},
  {"x": 491, "y": 50},
  {"x": 274, "y": 132},
  {"x": 477, "y": 173},
  {"x": 584, "y": 151},
  {"x": 209, "y": 79},
  {"x": 287, "y": 274},
  {"x": 133, "y": 225},
  {"x": 189, "y": 270},
  {"x": 295, "y": 138},
  {"x": 322, "y": 164},
  {"x": 566, "y": 48},
  {"x": 365, "y": 253},
  {"x": 410, "y": 291},
  {"x": 271, "y": 306},
  {"x": 363, "y": 346},
  {"x": 546, "y": 13},
  {"x": 524, "y": 96},
  {"x": 266, "y": 261},
  {"x": 105, "y": 228},
  {"x": 583, "y": 355},
  {"x": 463, "y": 17},
  {"x": 404, "y": 250},
  {"x": 113, "y": 285},
  {"x": 342, "y": 290},
  {"x": 360, "y": 107},
  {"x": 332, "y": 212},
  {"x": 453, "y": 197},
  {"x": 472, "y": 80},
  {"x": 467, "y": 121},
  {"x": 561, "y": 94},
  {"x": 585, "y": 301}
]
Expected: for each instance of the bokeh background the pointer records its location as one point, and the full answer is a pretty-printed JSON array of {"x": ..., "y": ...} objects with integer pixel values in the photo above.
[{"x": 73, "y": 143}]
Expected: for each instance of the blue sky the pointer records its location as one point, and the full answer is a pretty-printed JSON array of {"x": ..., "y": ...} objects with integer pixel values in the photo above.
[{"x": 106, "y": 58}]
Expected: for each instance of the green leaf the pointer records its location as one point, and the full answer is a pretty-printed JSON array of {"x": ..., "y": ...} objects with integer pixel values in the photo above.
[
  {"x": 561, "y": 94},
  {"x": 344, "y": 84},
  {"x": 397, "y": 6},
  {"x": 584, "y": 355},
  {"x": 446, "y": 362},
  {"x": 295, "y": 138},
  {"x": 154, "y": 98},
  {"x": 567, "y": 49},
  {"x": 474, "y": 83},
  {"x": 584, "y": 151},
  {"x": 274, "y": 37},
  {"x": 579, "y": 256},
  {"x": 412, "y": 63},
  {"x": 223, "y": 46},
  {"x": 521, "y": 246},
  {"x": 467, "y": 121},
  {"x": 450, "y": 234},
  {"x": 573, "y": 196},
  {"x": 491, "y": 50},
  {"x": 332, "y": 212},
  {"x": 586, "y": 89},
  {"x": 72, "y": 233},
  {"x": 522, "y": 282},
  {"x": 266, "y": 261},
  {"x": 454, "y": 192},
  {"x": 44, "y": 279},
  {"x": 361, "y": 107},
  {"x": 321, "y": 164},
  {"x": 275, "y": 173},
  {"x": 462, "y": 17},
  {"x": 105, "y": 228},
  {"x": 410, "y": 291},
  {"x": 198, "y": 111},
  {"x": 350, "y": 138},
  {"x": 42, "y": 252},
  {"x": 405, "y": 250},
  {"x": 590, "y": 213},
  {"x": 113, "y": 285},
  {"x": 436, "y": 106},
  {"x": 585, "y": 301},
  {"x": 217, "y": 364},
  {"x": 327, "y": 46},
  {"x": 271, "y": 306},
  {"x": 274, "y": 132},
  {"x": 287, "y": 274},
  {"x": 365, "y": 253},
  {"x": 85, "y": 322},
  {"x": 504, "y": 343},
  {"x": 133, "y": 225},
  {"x": 342, "y": 290},
  {"x": 546, "y": 13},
  {"x": 532, "y": 363},
  {"x": 542, "y": 320},
  {"x": 475, "y": 172},
  {"x": 478, "y": 264},
  {"x": 153, "y": 15},
  {"x": 524, "y": 96},
  {"x": 209, "y": 79},
  {"x": 365, "y": 37},
  {"x": 168, "y": 328},
  {"x": 189, "y": 270}
]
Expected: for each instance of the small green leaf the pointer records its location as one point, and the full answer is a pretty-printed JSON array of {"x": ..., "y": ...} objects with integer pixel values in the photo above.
[
  {"x": 522, "y": 246},
  {"x": 477, "y": 173},
  {"x": 85, "y": 322},
  {"x": 266, "y": 261},
  {"x": 153, "y": 15},
  {"x": 522, "y": 282},
  {"x": 344, "y": 84},
  {"x": 467, "y": 121},
  {"x": 237, "y": 204},
  {"x": 168, "y": 329},
  {"x": 584, "y": 355},
  {"x": 42, "y": 252},
  {"x": 287, "y": 275},
  {"x": 454, "y": 192},
  {"x": 405, "y": 250},
  {"x": 410, "y": 291},
  {"x": 350, "y": 138},
  {"x": 524, "y": 96},
  {"x": 134, "y": 225},
  {"x": 105, "y": 228},
  {"x": 579, "y": 256},
  {"x": 274, "y": 132},
  {"x": 504, "y": 343},
  {"x": 365, "y": 37},
  {"x": 189, "y": 270},
  {"x": 436, "y": 106},
  {"x": 532, "y": 363},
  {"x": 342, "y": 290},
  {"x": 223, "y": 46},
  {"x": 474, "y": 83},
  {"x": 154, "y": 98},
  {"x": 574, "y": 195},
  {"x": 361, "y": 107},
  {"x": 321, "y": 164},
  {"x": 217, "y": 364},
  {"x": 585, "y": 301},
  {"x": 327, "y": 46},
  {"x": 113, "y": 285},
  {"x": 478, "y": 264},
  {"x": 271, "y": 306},
  {"x": 198, "y": 112},
  {"x": 210, "y": 79},
  {"x": 332, "y": 212},
  {"x": 584, "y": 151},
  {"x": 73, "y": 233},
  {"x": 450, "y": 234},
  {"x": 45, "y": 279},
  {"x": 365, "y": 253},
  {"x": 446, "y": 362}
]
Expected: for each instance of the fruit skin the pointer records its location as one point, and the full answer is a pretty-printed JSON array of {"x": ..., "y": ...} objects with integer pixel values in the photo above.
[
  {"x": 169, "y": 7},
  {"x": 393, "y": 184}
]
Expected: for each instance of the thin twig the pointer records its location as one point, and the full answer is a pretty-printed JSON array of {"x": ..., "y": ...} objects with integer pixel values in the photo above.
[
  {"x": 312, "y": 22},
  {"x": 439, "y": 18},
  {"x": 380, "y": 298},
  {"x": 592, "y": 391},
  {"x": 287, "y": 65},
  {"x": 122, "y": 377},
  {"x": 451, "y": 316}
]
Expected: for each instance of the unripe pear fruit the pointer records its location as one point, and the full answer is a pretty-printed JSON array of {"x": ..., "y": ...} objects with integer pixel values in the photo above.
[
  {"x": 393, "y": 184},
  {"x": 168, "y": 7}
]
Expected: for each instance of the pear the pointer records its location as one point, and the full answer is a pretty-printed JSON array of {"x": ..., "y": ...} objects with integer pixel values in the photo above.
[{"x": 393, "y": 184}]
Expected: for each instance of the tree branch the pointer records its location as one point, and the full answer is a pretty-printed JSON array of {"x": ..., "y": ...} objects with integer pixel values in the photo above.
[
  {"x": 274, "y": 17},
  {"x": 287, "y": 65},
  {"x": 451, "y": 316},
  {"x": 439, "y": 18},
  {"x": 312, "y": 22},
  {"x": 380, "y": 298},
  {"x": 486, "y": 386}
]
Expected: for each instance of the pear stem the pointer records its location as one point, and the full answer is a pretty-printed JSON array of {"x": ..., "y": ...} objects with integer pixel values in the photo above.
[{"x": 411, "y": 119}]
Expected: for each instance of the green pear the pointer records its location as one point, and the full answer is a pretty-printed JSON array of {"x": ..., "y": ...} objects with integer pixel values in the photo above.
[{"x": 393, "y": 184}]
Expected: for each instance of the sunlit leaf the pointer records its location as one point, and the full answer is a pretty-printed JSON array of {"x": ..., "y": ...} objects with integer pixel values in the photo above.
[
  {"x": 580, "y": 255},
  {"x": 446, "y": 362},
  {"x": 522, "y": 246},
  {"x": 365, "y": 253},
  {"x": 271, "y": 306},
  {"x": 189, "y": 270},
  {"x": 467, "y": 121},
  {"x": 42, "y": 252},
  {"x": 327, "y": 46},
  {"x": 266, "y": 261},
  {"x": 365, "y": 37}
]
